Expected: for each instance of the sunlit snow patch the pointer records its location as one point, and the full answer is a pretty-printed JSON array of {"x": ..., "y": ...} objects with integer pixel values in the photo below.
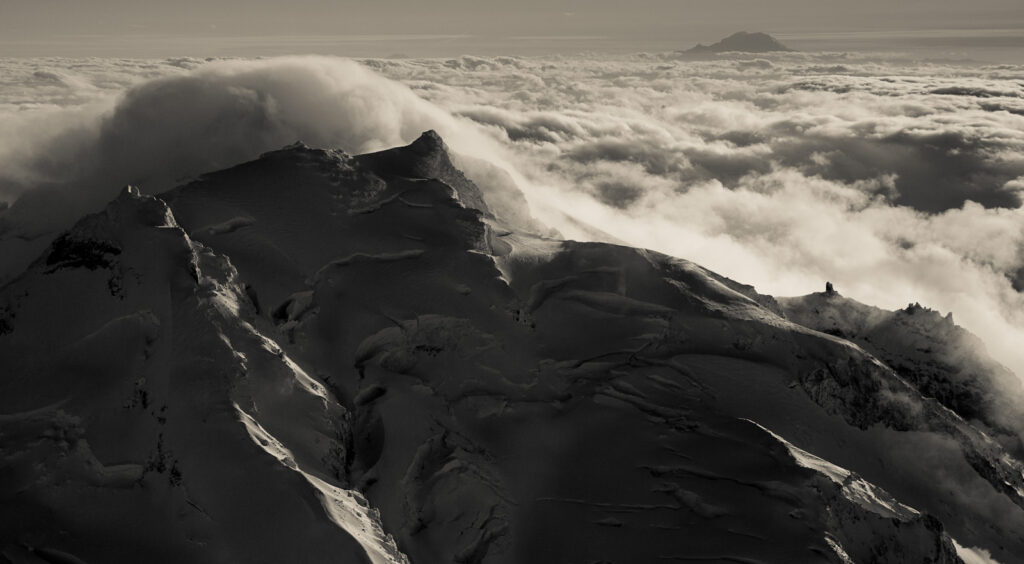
[
  {"x": 854, "y": 488},
  {"x": 347, "y": 508}
]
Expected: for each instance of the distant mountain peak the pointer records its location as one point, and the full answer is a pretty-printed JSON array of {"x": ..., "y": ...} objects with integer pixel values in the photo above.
[{"x": 742, "y": 42}]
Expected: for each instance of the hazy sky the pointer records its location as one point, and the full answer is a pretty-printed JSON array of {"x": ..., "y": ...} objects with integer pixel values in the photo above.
[{"x": 161, "y": 28}]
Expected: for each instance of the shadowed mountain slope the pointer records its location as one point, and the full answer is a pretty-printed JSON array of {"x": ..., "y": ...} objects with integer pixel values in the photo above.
[{"x": 319, "y": 357}]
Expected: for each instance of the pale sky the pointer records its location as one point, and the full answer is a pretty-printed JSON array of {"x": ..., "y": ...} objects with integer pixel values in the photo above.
[{"x": 381, "y": 27}]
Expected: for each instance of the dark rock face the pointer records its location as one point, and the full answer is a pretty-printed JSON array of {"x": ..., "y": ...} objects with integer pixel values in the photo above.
[
  {"x": 743, "y": 42},
  {"x": 1018, "y": 280},
  {"x": 67, "y": 252}
]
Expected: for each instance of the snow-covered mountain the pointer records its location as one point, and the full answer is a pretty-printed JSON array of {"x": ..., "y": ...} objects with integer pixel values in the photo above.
[
  {"x": 318, "y": 357},
  {"x": 742, "y": 42}
]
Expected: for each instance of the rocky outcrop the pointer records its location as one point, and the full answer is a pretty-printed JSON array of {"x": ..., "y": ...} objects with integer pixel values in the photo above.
[{"x": 928, "y": 350}]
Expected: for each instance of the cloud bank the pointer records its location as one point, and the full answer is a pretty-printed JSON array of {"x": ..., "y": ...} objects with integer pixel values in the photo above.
[
  {"x": 899, "y": 181},
  {"x": 160, "y": 132}
]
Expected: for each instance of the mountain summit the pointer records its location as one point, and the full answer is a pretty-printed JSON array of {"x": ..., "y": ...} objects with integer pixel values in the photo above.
[
  {"x": 742, "y": 42},
  {"x": 320, "y": 357}
]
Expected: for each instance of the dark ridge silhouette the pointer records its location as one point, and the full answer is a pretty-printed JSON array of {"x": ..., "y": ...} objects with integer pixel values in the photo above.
[{"x": 742, "y": 42}]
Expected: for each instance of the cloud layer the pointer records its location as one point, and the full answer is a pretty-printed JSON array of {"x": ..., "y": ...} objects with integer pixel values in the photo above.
[
  {"x": 160, "y": 132},
  {"x": 898, "y": 181}
]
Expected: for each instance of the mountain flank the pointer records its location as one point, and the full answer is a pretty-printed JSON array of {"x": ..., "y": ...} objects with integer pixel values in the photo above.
[{"x": 320, "y": 357}]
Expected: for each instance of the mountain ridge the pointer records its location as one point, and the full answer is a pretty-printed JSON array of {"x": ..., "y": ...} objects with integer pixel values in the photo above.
[
  {"x": 930, "y": 351},
  {"x": 742, "y": 42},
  {"x": 364, "y": 340}
]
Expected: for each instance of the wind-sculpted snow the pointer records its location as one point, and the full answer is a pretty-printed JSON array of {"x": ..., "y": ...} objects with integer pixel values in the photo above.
[{"x": 742, "y": 42}]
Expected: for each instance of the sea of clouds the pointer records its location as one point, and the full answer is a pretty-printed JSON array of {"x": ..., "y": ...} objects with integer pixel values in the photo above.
[{"x": 899, "y": 181}]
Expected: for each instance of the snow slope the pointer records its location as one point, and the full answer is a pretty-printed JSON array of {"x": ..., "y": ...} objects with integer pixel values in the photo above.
[{"x": 316, "y": 357}]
